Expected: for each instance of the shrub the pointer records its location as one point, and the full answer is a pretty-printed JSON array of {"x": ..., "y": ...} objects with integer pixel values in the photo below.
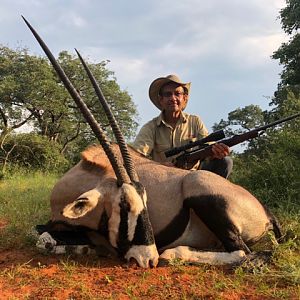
[
  {"x": 34, "y": 152},
  {"x": 273, "y": 173}
]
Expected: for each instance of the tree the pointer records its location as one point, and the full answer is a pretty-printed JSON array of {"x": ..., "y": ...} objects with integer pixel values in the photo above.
[
  {"x": 286, "y": 100},
  {"x": 24, "y": 80},
  {"x": 241, "y": 119},
  {"x": 269, "y": 166},
  {"x": 31, "y": 94},
  {"x": 119, "y": 101},
  {"x": 288, "y": 56}
]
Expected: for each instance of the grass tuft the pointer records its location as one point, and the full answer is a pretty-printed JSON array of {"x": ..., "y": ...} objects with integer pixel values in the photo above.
[{"x": 24, "y": 203}]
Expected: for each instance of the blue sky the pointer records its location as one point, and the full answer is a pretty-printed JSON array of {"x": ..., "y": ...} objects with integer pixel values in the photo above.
[{"x": 222, "y": 47}]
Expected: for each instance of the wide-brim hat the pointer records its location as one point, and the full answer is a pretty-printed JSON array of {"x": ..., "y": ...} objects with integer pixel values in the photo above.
[{"x": 158, "y": 83}]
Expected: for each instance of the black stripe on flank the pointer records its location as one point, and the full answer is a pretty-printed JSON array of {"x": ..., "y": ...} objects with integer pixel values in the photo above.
[
  {"x": 212, "y": 210},
  {"x": 174, "y": 229}
]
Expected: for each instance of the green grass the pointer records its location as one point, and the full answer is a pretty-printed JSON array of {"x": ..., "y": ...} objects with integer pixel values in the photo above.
[{"x": 24, "y": 203}]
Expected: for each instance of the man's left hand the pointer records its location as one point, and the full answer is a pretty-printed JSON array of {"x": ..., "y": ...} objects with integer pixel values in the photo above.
[{"x": 220, "y": 150}]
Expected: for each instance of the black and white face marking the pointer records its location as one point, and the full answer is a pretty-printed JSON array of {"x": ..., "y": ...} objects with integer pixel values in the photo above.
[
  {"x": 134, "y": 227},
  {"x": 129, "y": 226}
]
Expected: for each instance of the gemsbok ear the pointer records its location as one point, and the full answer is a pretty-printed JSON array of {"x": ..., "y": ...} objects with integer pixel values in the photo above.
[{"x": 82, "y": 205}]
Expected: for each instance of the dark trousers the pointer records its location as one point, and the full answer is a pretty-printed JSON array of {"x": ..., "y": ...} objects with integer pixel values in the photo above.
[{"x": 222, "y": 167}]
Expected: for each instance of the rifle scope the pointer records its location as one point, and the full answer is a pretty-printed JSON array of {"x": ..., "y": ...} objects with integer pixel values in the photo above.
[{"x": 215, "y": 136}]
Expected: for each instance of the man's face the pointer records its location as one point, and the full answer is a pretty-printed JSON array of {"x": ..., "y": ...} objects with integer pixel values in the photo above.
[{"x": 172, "y": 98}]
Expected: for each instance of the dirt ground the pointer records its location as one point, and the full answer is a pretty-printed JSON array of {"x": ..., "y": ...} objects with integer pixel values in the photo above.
[{"x": 29, "y": 274}]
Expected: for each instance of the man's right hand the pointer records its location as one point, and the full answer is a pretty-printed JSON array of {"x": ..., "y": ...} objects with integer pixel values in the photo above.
[{"x": 220, "y": 150}]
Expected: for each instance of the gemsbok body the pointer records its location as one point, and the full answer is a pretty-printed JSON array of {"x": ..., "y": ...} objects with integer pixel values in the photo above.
[
  {"x": 195, "y": 209},
  {"x": 144, "y": 209}
]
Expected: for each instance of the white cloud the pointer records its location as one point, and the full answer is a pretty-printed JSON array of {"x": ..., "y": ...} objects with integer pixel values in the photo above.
[
  {"x": 223, "y": 47},
  {"x": 73, "y": 19},
  {"x": 256, "y": 50}
]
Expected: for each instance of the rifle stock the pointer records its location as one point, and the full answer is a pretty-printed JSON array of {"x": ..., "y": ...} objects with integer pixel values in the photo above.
[{"x": 189, "y": 158}]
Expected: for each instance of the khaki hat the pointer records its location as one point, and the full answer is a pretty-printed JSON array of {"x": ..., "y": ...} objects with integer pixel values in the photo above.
[{"x": 158, "y": 83}]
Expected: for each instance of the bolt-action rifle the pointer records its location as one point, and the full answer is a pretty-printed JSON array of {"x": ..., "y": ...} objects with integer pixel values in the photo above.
[
  {"x": 189, "y": 158},
  {"x": 213, "y": 137}
]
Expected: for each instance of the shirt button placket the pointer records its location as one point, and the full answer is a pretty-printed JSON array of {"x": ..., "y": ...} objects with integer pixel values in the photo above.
[{"x": 173, "y": 137}]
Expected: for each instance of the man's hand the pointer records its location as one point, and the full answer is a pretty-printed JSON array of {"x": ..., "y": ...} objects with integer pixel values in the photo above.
[{"x": 220, "y": 150}]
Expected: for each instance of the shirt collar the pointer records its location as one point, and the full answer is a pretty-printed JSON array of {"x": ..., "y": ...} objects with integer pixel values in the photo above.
[{"x": 160, "y": 119}]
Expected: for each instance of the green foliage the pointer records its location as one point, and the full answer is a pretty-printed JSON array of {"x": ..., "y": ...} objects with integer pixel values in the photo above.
[
  {"x": 31, "y": 94},
  {"x": 272, "y": 172},
  {"x": 119, "y": 101},
  {"x": 288, "y": 53},
  {"x": 24, "y": 203},
  {"x": 269, "y": 166},
  {"x": 287, "y": 101},
  {"x": 35, "y": 152},
  {"x": 240, "y": 119},
  {"x": 27, "y": 86},
  {"x": 290, "y": 16}
]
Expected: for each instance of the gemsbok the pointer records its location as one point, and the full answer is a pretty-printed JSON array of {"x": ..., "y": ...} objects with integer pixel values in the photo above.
[{"x": 143, "y": 209}]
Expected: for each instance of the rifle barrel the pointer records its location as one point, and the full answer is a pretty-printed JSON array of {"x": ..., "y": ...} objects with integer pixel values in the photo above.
[
  {"x": 201, "y": 154},
  {"x": 277, "y": 122}
]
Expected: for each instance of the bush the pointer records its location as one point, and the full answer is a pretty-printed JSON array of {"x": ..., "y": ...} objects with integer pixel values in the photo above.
[
  {"x": 273, "y": 173},
  {"x": 34, "y": 152}
]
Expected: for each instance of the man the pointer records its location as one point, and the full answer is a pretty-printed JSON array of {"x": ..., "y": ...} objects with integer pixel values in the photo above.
[{"x": 174, "y": 128}]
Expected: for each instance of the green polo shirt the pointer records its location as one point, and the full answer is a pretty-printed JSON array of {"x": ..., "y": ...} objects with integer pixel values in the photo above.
[{"x": 156, "y": 136}]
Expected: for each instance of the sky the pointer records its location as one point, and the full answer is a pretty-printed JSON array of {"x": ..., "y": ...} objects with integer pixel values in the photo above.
[{"x": 223, "y": 47}]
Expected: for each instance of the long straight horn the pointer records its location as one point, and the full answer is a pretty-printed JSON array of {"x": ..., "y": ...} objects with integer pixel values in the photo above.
[
  {"x": 129, "y": 165},
  {"x": 119, "y": 170}
]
